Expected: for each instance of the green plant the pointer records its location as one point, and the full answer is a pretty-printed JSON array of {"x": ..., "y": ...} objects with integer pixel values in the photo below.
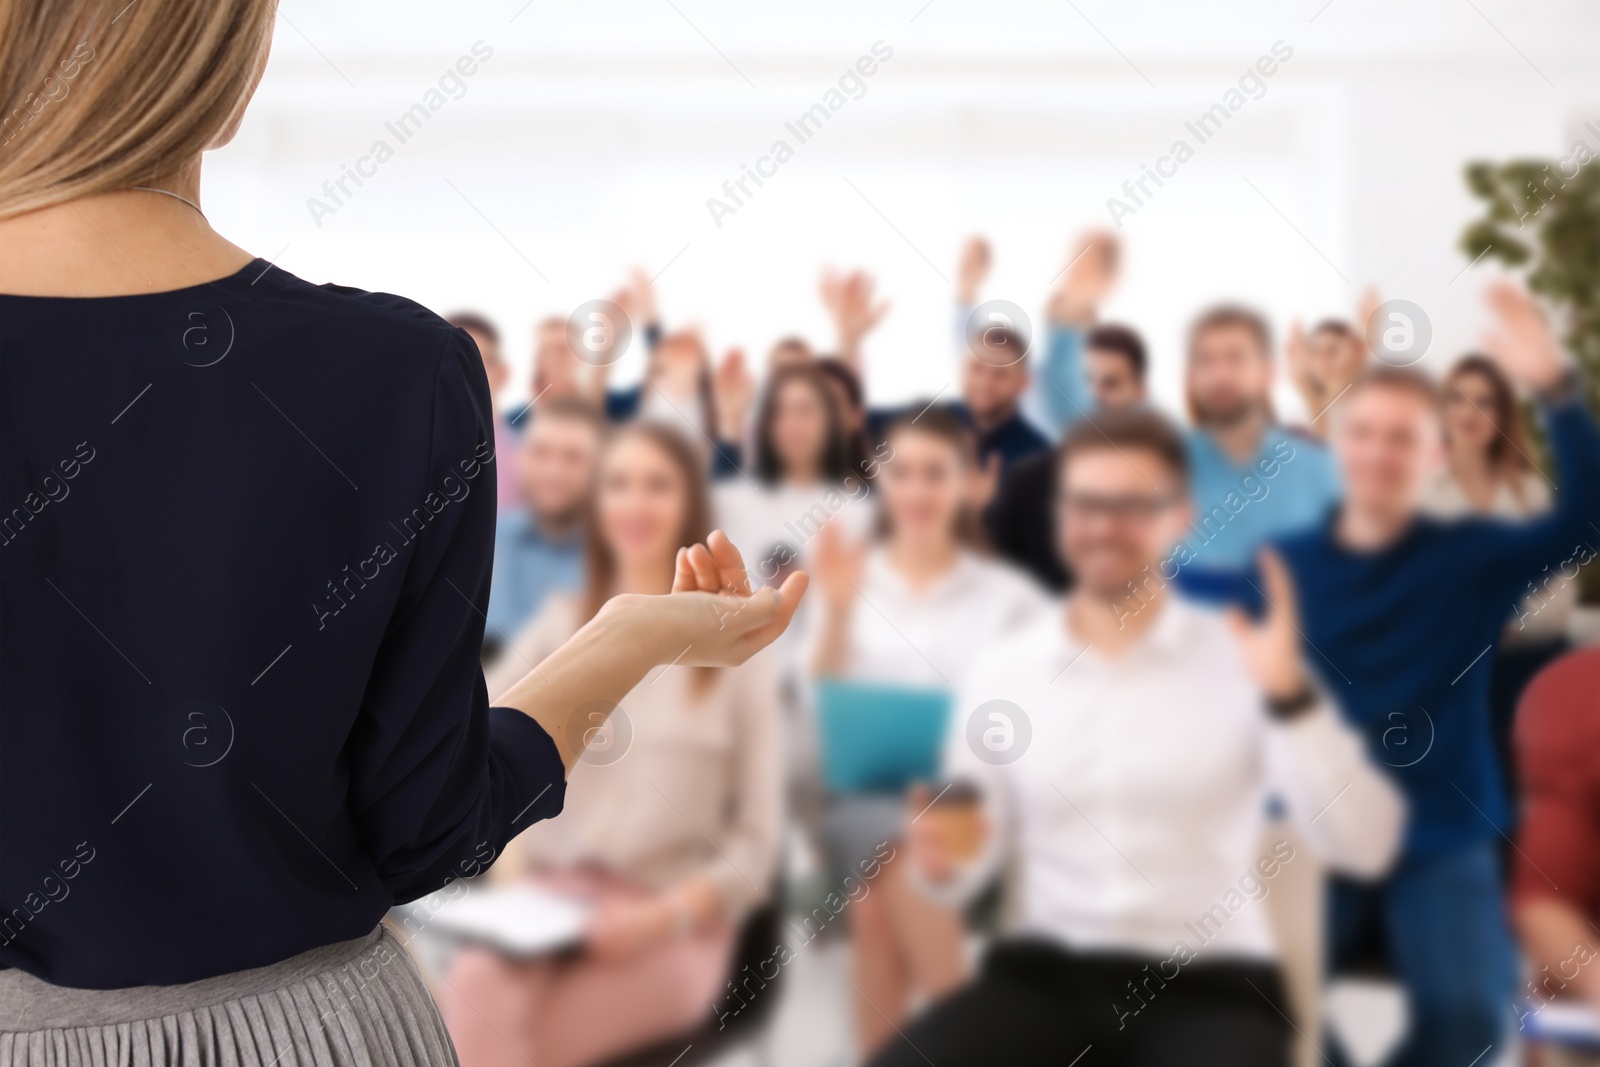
[{"x": 1543, "y": 217}]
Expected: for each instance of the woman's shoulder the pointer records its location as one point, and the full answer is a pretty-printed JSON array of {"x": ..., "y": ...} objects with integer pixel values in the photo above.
[{"x": 359, "y": 324}]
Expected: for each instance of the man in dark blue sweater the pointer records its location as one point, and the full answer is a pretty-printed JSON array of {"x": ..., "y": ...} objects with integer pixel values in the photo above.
[{"x": 1401, "y": 614}]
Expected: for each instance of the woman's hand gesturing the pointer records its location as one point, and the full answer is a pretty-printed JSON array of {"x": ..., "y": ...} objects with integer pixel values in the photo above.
[{"x": 721, "y": 620}]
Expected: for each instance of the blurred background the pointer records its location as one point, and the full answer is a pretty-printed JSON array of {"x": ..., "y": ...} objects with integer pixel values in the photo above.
[{"x": 593, "y": 139}]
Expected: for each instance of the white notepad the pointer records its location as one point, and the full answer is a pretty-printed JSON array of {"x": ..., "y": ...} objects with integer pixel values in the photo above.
[
  {"x": 1570, "y": 1023},
  {"x": 519, "y": 920}
]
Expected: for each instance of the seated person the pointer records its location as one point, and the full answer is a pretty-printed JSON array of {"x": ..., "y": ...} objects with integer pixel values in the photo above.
[
  {"x": 487, "y": 338},
  {"x": 1021, "y": 520},
  {"x": 993, "y": 377},
  {"x": 1555, "y": 885},
  {"x": 538, "y": 546},
  {"x": 674, "y": 814},
  {"x": 1123, "y": 767},
  {"x": 908, "y": 609}
]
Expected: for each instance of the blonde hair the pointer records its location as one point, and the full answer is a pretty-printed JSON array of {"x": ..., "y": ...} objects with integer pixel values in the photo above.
[{"x": 104, "y": 94}]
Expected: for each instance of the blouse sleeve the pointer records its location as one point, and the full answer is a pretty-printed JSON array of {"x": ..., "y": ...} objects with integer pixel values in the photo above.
[{"x": 439, "y": 781}]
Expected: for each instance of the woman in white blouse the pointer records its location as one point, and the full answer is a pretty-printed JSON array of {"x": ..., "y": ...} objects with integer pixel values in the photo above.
[
  {"x": 801, "y": 477},
  {"x": 674, "y": 815},
  {"x": 909, "y": 608},
  {"x": 1490, "y": 473}
]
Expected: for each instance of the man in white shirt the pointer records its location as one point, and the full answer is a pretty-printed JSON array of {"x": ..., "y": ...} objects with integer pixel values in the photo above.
[{"x": 1125, "y": 761}]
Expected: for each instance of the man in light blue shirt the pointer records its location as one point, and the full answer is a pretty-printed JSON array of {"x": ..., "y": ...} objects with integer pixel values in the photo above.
[
  {"x": 1251, "y": 480},
  {"x": 538, "y": 547}
]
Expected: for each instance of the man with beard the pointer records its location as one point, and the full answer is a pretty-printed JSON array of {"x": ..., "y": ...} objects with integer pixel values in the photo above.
[
  {"x": 1251, "y": 480},
  {"x": 538, "y": 548},
  {"x": 1115, "y": 772}
]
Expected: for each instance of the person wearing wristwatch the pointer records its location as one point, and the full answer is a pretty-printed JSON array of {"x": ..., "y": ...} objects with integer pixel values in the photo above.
[
  {"x": 1401, "y": 613},
  {"x": 1125, "y": 755}
]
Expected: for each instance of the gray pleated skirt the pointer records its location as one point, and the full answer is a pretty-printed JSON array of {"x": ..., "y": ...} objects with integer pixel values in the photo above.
[{"x": 358, "y": 1003}]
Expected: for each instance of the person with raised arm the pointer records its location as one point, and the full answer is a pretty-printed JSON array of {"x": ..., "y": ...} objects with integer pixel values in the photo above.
[
  {"x": 246, "y": 713},
  {"x": 907, "y": 609},
  {"x": 1115, "y": 774},
  {"x": 993, "y": 377},
  {"x": 1324, "y": 362},
  {"x": 1401, "y": 614}
]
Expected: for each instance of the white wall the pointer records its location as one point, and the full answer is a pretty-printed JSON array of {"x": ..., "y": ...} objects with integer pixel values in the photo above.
[{"x": 592, "y": 138}]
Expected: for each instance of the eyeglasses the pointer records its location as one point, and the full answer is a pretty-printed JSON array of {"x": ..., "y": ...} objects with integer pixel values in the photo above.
[{"x": 1140, "y": 507}]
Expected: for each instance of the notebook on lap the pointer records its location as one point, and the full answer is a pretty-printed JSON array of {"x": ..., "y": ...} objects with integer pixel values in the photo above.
[{"x": 879, "y": 738}]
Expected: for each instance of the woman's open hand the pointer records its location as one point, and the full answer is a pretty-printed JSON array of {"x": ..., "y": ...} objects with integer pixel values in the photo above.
[
  {"x": 710, "y": 619},
  {"x": 721, "y": 620}
]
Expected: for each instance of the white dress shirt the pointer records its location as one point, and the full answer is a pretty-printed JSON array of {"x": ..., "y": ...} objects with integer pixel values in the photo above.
[{"x": 1139, "y": 806}]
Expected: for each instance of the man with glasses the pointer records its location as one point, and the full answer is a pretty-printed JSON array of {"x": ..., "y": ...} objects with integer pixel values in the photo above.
[{"x": 1122, "y": 764}]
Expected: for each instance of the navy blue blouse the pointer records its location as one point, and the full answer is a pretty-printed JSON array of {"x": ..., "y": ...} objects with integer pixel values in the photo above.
[{"x": 245, "y": 539}]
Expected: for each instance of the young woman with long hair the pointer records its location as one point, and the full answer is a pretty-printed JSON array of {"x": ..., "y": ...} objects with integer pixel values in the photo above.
[
  {"x": 908, "y": 607},
  {"x": 675, "y": 816},
  {"x": 1490, "y": 474}
]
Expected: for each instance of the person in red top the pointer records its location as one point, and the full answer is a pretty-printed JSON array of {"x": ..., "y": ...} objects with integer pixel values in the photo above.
[{"x": 1555, "y": 891}]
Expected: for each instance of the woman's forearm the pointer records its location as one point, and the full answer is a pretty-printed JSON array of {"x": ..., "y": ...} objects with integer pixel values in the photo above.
[
  {"x": 832, "y": 653},
  {"x": 576, "y": 687}
]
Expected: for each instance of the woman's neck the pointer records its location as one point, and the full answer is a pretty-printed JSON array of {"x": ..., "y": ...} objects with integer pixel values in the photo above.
[
  {"x": 121, "y": 242},
  {"x": 1475, "y": 473},
  {"x": 802, "y": 475},
  {"x": 922, "y": 561},
  {"x": 651, "y": 577}
]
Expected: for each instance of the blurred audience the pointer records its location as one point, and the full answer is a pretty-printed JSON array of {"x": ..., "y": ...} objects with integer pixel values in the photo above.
[
  {"x": 1240, "y": 456},
  {"x": 993, "y": 375},
  {"x": 674, "y": 821},
  {"x": 538, "y": 546},
  {"x": 1322, "y": 364},
  {"x": 1489, "y": 471},
  {"x": 909, "y": 608},
  {"x": 803, "y": 475},
  {"x": 1399, "y": 611},
  {"x": 1343, "y": 713},
  {"x": 487, "y": 338},
  {"x": 1131, "y": 819}
]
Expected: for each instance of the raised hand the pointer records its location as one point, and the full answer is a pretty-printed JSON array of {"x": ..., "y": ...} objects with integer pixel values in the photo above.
[
  {"x": 973, "y": 269},
  {"x": 850, "y": 301},
  {"x": 1271, "y": 647},
  {"x": 1521, "y": 341},
  {"x": 839, "y": 565},
  {"x": 1092, "y": 270},
  {"x": 734, "y": 388}
]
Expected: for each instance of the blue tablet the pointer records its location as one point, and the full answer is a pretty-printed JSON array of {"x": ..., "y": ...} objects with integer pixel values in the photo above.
[{"x": 879, "y": 738}]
